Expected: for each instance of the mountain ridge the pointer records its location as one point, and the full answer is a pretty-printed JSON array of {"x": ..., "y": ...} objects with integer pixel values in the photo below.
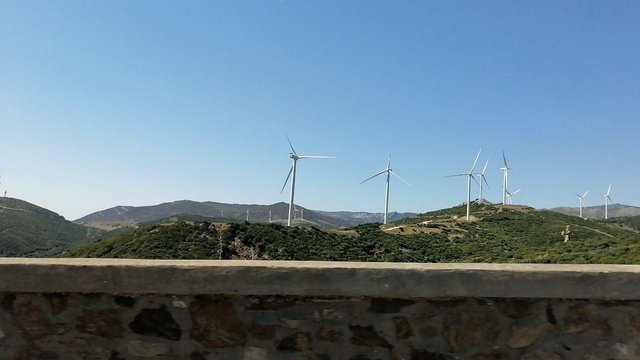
[
  {"x": 597, "y": 212},
  {"x": 28, "y": 230},
  {"x": 123, "y": 216}
]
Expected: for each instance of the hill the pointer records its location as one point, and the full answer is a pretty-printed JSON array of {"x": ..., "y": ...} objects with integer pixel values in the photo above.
[
  {"x": 31, "y": 231},
  {"x": 131, "y": 216},
  {"x": 354, "y": 218},
  {"x": 495, "y": 233},
  {"x": 597, "y": 212}
]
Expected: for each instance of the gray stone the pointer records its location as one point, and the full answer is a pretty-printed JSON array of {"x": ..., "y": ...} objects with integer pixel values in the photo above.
[
  {"x": 526, "y": 333},
  {"x": 216, "y": 323},
  {"x": 367, "y": 336},
  {"x": 102, "y": 322},
  {"x": 300, "y": 341},
  {"x": 330, "y": 335},
  {"x": 327, "y": 314},
  {"x": 262, "y": 331},
  {"x": 585, "y": 318},
  {"x": 389, "y": 306},
  {"x": 156, "y": 322},
  {"x": 33, "y": 352},
  {"x": 403, "y": 328},
  {"x": 57, "y": 302},
  {"x": 143, "y": 349},
  {"x": 464, "y": 330},
  {"x": 422, "y": 354},
  {"x": 255, "y": 353},
  {"x": 539, "y": 354},
  {"x": 32, "y": 322}
]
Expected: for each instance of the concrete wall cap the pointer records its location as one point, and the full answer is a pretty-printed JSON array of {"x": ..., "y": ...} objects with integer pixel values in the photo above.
[{"x": 312, "y": 278}]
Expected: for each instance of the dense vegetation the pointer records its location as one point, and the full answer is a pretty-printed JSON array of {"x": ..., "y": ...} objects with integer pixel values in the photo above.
[{"x": 501, "y": 235}]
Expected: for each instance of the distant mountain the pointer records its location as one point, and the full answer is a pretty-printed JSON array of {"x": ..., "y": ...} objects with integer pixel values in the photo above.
[
  {"x": 359, "y": 217},
  {"x": 27, "y": 230},
  {"x": 597, "y": 212},
  {"x": 494, "y": 233},
  {"x": 130, "y": 216}
]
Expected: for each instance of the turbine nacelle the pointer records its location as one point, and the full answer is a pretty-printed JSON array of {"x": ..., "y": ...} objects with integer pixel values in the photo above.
[
  {"x": 389, "y": 172},
  {"x": 292, "y": 171}
]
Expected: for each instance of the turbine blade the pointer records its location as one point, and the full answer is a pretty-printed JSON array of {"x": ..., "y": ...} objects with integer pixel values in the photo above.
[
  {"x": 482, "y": 178},
  {"x": 315, "y": 157},
  {"x": 474, "y": 179},
  {"x": 369, "y": 178},
  {"x": 609, "y": 191},
  {"x": 585, "y": 194},
  {"x": 389, "y": 160},
  {"x": 456, "y": 175},
  {"x": 504, "y": 159},
  {"x": 396, "y": 175},
  {"x": 515, "y": 192},
  {"x": 292, "y": 149},
  {"x": 287, "y": 180},
  {"x": 485, "y": 167},
  {"x": 475, "y": 162}
]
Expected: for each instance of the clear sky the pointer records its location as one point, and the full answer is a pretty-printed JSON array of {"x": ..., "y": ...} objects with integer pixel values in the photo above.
[{"x": 106, "y": 103}]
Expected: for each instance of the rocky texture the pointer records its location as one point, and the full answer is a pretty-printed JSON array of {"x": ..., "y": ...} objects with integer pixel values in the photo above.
[
  {"x": 206, "y": 325},
  {"x": 216, "y": 323},
  {"x": 96, "y": 326}
]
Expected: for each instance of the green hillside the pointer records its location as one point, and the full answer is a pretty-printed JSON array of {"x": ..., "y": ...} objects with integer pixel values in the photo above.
[
  {"x": 31, "y": 231},
  {"x": 496, "y": 234}
]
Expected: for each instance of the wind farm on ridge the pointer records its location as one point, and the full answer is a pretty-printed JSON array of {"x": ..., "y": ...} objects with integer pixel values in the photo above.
[{"x": 507, "y": 195}]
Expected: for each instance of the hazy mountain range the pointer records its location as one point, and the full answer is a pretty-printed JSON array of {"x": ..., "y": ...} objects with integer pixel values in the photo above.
[
  {"x": 597, "y": 212},
  {"x": 122, "y": 216}
]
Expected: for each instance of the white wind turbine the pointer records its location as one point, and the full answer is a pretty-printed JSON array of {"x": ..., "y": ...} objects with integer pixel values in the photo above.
[
  {"x": 483, "y": 179},
  {"x": 389, "y": 172},
  {"x": 469, "y": 176},
  {"x": 510, "y": 196},
  {"x": 505, "y": 179},
  {"x": 295, "y": 157},
  {"x": 607, "y": 200},
  {"x": 581, "y": 197}
]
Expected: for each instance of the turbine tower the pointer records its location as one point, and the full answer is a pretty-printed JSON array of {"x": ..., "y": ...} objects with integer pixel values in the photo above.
[
  {"x": 295, "y": 157},
  {"x": 483, "y": 179},
  {"x": 469, "y": 176},
  {"x": 607, "y": 200},
  {"x": 505, "y": 179},
  {"x": 581, "y": 197},
  {"x": 389, "y": 172},
  {"x": 510, "y": 196}
]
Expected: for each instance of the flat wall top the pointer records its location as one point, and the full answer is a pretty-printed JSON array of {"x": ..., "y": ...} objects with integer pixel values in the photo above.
[{"x": 395, "y": 280}]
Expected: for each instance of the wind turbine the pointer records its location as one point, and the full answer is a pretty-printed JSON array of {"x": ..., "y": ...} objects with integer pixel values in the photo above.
[
  {"x": 582, "y": 201},
  {"x": 295, "y": 157},
  {"x": 505, "y": 178},
  {"x": 510, "y": 196},
  {"x": 389, "y": 172},
  {"x": 469, "y": 176},
  {"x": 483, "y": 179},
  {"x": 607, "y": 200}
]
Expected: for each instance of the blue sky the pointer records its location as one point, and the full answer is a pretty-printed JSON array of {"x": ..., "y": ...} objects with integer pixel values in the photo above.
[{"x": 109, "y": 103}]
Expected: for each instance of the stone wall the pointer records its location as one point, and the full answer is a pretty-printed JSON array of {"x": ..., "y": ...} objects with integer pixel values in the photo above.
[{"x": 144, "y": 319}]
